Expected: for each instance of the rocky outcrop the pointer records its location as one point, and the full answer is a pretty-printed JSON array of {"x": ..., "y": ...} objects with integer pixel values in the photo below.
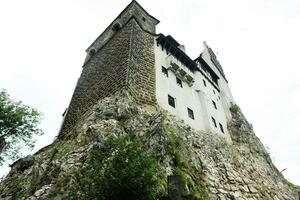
[{"x": 211, "y": 165}]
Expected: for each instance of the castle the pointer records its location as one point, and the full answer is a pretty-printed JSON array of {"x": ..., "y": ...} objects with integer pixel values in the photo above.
[
  {"x": 155, "y": 70},
  {"x": 129, "y": 75}
]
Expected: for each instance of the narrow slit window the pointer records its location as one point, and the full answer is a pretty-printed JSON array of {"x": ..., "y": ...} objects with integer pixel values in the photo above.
[
  {"x": 215, "y": 105},
  {"x": 164, "y": 71},
  {"x": 190, "y": 113},
  {"x": 204, "y": 83},
  {"x": 179, "y": 82},
  {"x": 171, "y": 101},
  {"x": 214, "y": 121},
  {"x": 221, "y": 127}
]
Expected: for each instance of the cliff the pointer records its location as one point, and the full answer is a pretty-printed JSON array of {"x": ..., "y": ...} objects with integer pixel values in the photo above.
[{"x": 208, "y": 165}]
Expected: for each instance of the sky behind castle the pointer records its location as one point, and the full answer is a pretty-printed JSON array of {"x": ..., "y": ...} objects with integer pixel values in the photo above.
[{"x": 257, "y": 42}]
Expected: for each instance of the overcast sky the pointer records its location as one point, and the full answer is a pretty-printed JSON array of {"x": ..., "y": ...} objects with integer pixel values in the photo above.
[{"x": 43, "y": 42}]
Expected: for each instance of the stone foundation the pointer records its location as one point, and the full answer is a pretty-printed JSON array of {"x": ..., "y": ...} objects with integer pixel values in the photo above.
[{"x": 209, "y": 166}]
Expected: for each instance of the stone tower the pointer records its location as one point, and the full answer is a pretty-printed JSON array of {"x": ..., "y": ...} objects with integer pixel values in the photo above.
[
  {"x": 122, "y": 57},
  {"x": 155, "y": 70}
]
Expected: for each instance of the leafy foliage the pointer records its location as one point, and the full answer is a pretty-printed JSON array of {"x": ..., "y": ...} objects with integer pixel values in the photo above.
[
  {"x": 234, "y": 107},
  {"x": 18, "y": 125},
  {"x": 187, "y": 171},
  {"x": 120, "y": 169}
]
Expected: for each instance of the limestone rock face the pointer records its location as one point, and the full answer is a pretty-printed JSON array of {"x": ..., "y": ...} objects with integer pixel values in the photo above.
[{"x": 239, "y": 168}]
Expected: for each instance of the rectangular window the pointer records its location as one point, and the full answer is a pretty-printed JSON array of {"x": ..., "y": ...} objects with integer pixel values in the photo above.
[
  {"x": 171, "y": 101},
  {"x": 179, "y": 82},
  {"x": 204, "y": 82},
  {"x": 214, "y": 121},
  {"x": 190, "y": 113},
  {"x": 164, "y": 71},
  {"x": 221, "y": 128},
  {"x": 215, "y": 105}
]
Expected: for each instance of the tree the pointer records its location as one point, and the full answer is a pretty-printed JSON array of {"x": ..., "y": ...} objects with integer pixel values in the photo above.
[
  {"x": 18, "y": 124},
  {"x": 119, "y": 169}
]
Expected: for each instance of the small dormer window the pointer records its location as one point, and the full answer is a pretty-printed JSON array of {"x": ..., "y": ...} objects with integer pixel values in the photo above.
[
  {"x": 92, "y": 52},
  {"x": 144, "y": 19},
  {"x": 164, "y": 71},
  {"x": 204, "y": 83},
  {"x": 179, "y": 82},
  {"x": 116, "y": 27}
]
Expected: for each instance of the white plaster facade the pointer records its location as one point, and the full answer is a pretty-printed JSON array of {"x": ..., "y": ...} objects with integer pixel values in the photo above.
[{"x": 193, "y": 94}]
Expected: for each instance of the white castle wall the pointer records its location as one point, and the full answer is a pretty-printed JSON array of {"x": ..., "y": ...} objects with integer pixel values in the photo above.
[
  {"x": 196, "y": 97},
  {"x": 225, "y": 92}
]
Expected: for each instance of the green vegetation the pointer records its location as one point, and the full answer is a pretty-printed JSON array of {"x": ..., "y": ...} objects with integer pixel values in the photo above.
[
  {"x": 119, "y": 168},
  {"x": 17, "y": 191},
  {"x": 293, "y": 187},
  {"x": 18, "y": 125},
  {"x": 61, "y": 148},
  {"x": 187, "y": 172},
  {"x": 237, "y": 161},
  {"x": 234, "y": 107}
]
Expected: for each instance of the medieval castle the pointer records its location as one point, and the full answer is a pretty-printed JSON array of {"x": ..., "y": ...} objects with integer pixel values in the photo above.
[
  {"x": 129, "y": 74},
  {"x": 154, "y": 69}
]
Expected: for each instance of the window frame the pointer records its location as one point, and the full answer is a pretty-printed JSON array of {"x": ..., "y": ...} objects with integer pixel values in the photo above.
[
  {"x": 214, "y": 121},
  {"x": 221, "y": 128},
  {"x": 164, "y": 71},
  {"x": 215, "y": 105},
  {"x": 179, "y": 82},
  {"x": 171, "y": 101},
  {"x": 191, "y": 113}
]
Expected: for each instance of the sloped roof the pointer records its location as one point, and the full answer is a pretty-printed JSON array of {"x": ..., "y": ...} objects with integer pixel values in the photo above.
[
  {"x": 172, "y": 46},
  {"x": 213, "y": 59}
]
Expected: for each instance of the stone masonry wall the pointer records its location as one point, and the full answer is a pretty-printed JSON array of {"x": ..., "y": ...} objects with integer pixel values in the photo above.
[
  {"x": 102, "y": 75},
  {"x": 141, "y": 74},
  {"x": 133, "y": 9},
  {"x": 126, "y": 60}
]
